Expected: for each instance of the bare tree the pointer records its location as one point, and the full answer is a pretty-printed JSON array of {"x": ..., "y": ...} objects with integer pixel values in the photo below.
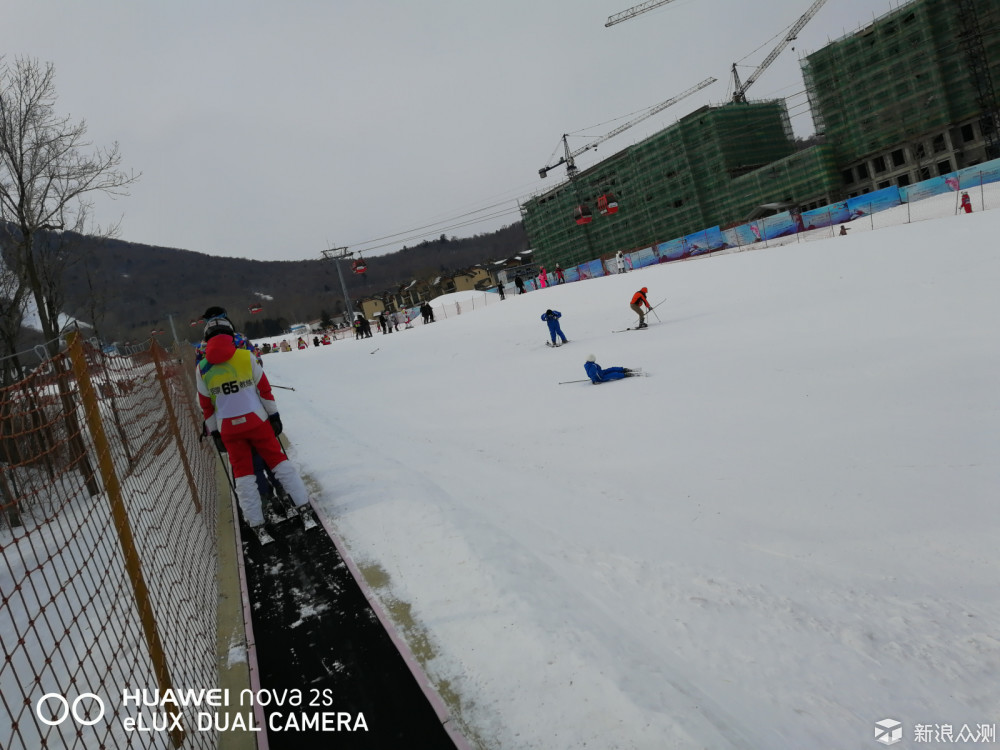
[
  {"x": 47, "y": 178},
  {"x": 12, "y": 310}
]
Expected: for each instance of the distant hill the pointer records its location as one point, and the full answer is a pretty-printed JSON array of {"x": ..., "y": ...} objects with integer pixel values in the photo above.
[{"x": 130, "y": 288}]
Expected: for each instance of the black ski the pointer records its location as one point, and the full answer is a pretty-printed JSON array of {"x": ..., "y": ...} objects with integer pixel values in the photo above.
[
  {"x": 305, "y": 512},
  {"x": 308, "y": 517}
]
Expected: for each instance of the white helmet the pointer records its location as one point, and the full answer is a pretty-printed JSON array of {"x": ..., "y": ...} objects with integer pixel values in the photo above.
[{"x": 591, "y": 358}]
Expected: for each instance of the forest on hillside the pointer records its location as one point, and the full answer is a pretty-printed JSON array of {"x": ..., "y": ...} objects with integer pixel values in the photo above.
[{"x": 127, "y": 289}]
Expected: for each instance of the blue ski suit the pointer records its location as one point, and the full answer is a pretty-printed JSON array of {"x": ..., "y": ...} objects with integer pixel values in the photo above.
[
  {"x": 552, "y": 318},
  {"x": 599, "y": 375}
]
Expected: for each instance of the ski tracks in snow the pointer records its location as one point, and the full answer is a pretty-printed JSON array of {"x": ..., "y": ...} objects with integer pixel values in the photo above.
[{"x": 470, "y": 604}]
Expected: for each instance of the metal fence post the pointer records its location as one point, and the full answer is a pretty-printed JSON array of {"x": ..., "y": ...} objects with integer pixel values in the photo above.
[
  {"x": 174, "y": 427},
  {"x": 119, "y": 515}
]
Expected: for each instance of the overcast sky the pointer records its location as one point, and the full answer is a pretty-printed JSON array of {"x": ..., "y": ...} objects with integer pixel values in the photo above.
[{"x": 275, "y": 130}]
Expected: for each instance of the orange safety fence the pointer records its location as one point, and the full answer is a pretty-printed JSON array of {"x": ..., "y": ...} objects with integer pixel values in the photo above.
[{"x": 108, "y": 559}]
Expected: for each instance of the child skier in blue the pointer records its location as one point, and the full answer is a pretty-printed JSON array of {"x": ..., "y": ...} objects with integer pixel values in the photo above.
[
  {"x": 598, "y": 374},
  {"x": 552, "y": 318}
]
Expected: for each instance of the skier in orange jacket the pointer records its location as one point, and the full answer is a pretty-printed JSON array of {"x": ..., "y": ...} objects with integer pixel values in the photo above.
[{"x": 638, "y": 300}]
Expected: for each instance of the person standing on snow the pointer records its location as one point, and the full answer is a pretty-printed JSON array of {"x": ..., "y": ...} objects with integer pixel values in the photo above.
[
  {"x": 560, "y": 276},
  {"x": 638, "y": 300},
  {"x": 620, "y": 261},
  {"x": 966, "y": 203},
  {"x": 597, "y": 374},
  {"x": 552, "y": 318},
  {"x": 519, "y": 283},
  {"x": 241, "y": 414}
]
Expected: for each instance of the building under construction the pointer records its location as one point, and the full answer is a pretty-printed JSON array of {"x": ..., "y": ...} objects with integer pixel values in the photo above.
[
  {"x": 700, "y": 172},
  {"x": 910, "y": 96},
  {"x": 904, "y": 99}
]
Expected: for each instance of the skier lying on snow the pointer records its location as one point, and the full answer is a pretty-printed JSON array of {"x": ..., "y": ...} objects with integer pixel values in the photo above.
[{"x": 598, "y": 374}]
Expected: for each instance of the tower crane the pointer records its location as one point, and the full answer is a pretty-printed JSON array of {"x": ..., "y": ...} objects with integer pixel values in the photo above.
[
  {"x": 634, "y": 11},
  {"x": 740, "y": 89},
  {"x": 568, "y": 158}
]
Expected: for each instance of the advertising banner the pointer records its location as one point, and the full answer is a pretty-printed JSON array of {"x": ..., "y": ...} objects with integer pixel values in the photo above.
[
  {"x": 870, "y": 203},
  {"x": 671, "y": 250},
  {"x": 779, "y": 225},
  {"x": 641, "y": 258},
  {"x": 740, "y": 236},
  {"x": 592, "y": 269},
  {"x": 929, "y": 188},
  {"x": 705, "y": 241},
  {"x": 836, "y": 213},
  {"x": 980, "y": 174}
]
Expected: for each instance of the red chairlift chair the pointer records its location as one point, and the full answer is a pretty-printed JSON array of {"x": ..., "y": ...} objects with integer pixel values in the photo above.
[{"x": 607, "y": 204}]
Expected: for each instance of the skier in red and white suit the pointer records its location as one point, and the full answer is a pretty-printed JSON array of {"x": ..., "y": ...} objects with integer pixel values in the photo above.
[{"x": 240, "y": 412}]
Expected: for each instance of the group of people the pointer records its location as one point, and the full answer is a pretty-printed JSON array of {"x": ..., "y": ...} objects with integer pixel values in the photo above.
[
  {"x": 542, "y": 280},
  {"x": 543, "y": 276},
  {"x": 595, "y": 372},
  {"x": 389, "y": 322},
  {"x": 242, "y": 417},
  {"x": 284, "y": 346},
  {"x": 362, "y": 328}
]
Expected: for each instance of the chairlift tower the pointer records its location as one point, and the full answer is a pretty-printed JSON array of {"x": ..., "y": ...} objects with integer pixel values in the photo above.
[{"x": 336, "y": 254}]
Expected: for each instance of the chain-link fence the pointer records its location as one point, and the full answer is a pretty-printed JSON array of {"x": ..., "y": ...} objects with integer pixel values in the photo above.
[{"x": 108, "y": 560}]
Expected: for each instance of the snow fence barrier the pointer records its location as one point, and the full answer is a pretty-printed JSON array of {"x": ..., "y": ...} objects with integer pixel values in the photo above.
[{"x": 108, "y": 556}]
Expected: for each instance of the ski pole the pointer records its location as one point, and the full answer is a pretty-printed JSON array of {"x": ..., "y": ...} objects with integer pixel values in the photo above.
[
  {"x": 585, "y": 380},
  {"x": 653, "y": 310},
  {"x": 283, "y": 387},
  {"x": 229, "y": 476}
]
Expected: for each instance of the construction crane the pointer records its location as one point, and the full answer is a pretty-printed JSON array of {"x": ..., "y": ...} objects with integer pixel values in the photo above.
[
  {"x": 740, "y": 89},
  {"x": 569, "y": 157},
  {"x": 634, "y": 11}
]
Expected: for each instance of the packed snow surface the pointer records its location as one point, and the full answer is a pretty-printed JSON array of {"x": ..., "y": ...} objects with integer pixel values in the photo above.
[{"x": 786, "y": 533}]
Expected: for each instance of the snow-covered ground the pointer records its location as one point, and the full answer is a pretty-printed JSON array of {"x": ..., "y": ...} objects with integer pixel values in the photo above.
[{"x": 786, "y": 533}]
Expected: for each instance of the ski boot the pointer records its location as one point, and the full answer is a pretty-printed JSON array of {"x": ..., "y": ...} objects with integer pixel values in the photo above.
[
  {"x": 308, "y": 517},
  {"x": 273, "y": 509},
  {"x": 262, "y": 534}
]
